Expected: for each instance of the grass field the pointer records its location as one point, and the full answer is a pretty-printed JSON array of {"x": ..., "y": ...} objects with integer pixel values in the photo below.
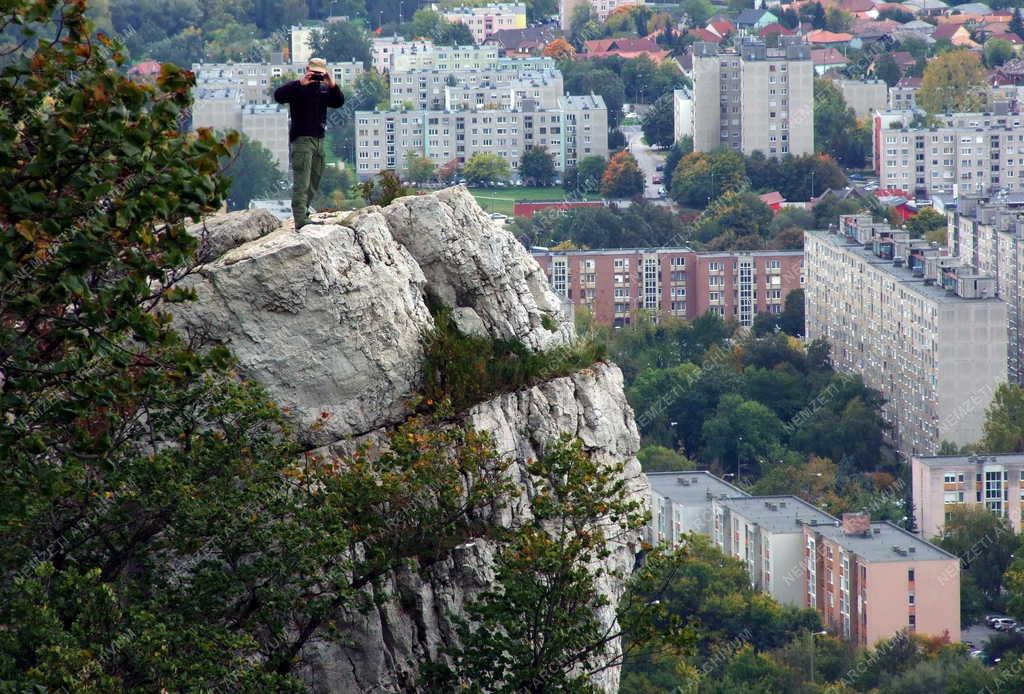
[{"x": 501, "y": 199}]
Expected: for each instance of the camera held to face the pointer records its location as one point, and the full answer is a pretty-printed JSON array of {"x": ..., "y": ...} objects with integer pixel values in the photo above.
[{"x": 318, "y": 77}]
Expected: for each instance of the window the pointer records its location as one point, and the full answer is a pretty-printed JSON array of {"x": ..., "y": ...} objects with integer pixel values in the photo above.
[
  {"x": 949, "y": 478},
  {"x": 716, "y": 281},
  {"x": 910, "y": 598},
  {"x": 913, "y": 621},
  {"x": 714, "y": 267},
  {"x": 910, "y": 575}
]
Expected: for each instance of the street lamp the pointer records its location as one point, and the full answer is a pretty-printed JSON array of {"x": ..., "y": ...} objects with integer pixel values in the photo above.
[
  {"x": 812, "y": 185},
  {"x": 739, "y": 442},
  {"x": 810, "y": 638}
]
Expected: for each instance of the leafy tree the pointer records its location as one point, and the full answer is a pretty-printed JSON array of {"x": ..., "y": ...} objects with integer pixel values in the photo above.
[
  {"x": 953, "y": 81},
  {"x": 622, "y": 177},
  {"x": 1004, "y": 421},
  {"x": 896, "y": 15},
  {"x": 792, "y": 318},
  {"x": 583, "y": 24},
  {"x": 997, "y": 52},
  {"x": 485, "y": 168},
  {"x": 421, "y": 168},
  {"x": 336, "y": 187},
  {"x": 701, "y": 177},
  {"x": 342, "y": 41},
  {"x": 371, "y": 91},
  {"x": 590, "y": 171},
  {"x": 253, "y": 172},
  {"x": 537, "y": 167},
  {"x": 738, "y": 214},
  {"x": 676, "y": 152},
  {"x": 638, "y": 76},
  {"x": 887, "y": 69},
  {"x": 925, "y": 222},
  {"x": 661, "y": 459},
  {"x": 586, "y": 77},
  {"x": 837, "y": 20},
  {"x": 538, "y": 628},
  {"x": 742, "y": 430},
  {"x": 835, "y": 126},
  {"x": 540, "y": 10},
  {"x": 1017, "y": 23},
  {"x": 985, "y": 544},
  {"x": 659, "y": 122},
  {"x": 699, "y": 11},
  {"x": 559, "y": 49},
  {"x": 384, "y": 190}
]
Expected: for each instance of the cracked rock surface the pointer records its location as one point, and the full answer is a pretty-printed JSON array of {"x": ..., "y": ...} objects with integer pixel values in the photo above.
[{"x": 330, "y": 319}]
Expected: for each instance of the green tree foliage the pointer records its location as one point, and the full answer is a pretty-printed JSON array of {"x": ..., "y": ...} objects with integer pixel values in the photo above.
[
  {"x": 485, "y": 168},
  {"x": 837, "y": 20},
  {"x": 421, "y": 168},
  {"x": 1004, "y": 421},
  {"x": 253, "y": 173},
  {"x": 661, "y": 459},
  {"x": 537, "y": 167},
  {"x": 954, "y": 81},
  {"x": 586, "y": 175},
  {"x": 587, "y": 77},
  {"x": 659, "y": 122},
  {"x": 926, "y": 223},
  {"x": 1017, "y": 23},
  {"x": 622, "y": 177},
  {"x": 541, "y": 617},
  {"x": 737, "y": 218},
  {"x": 342, "y": 41},
  {"x": 997, "y": 52},
  {"x": 385, "y": 189},
  {"x": 796, "y": 178},
  {"x": 337, "y": 189},
  {"x": 740, "y": 433},
  {"x": 790, "y": 321},
  {"x": 540, "y": 10},
  {"x": 676, "y": 152},
  {"x": 984, "y": 542},
  {"x": 896, "y": 15},
  {"x": 427, "y": 23},
  {"x": 699, "y": 12},
  {"x": 642, "y": 224},
  {"x": 887, "y": 69},
  {"x": 701, "y": 177},
  {"x": 583, "y": 24},
  {"x": 836, "y": 132}
]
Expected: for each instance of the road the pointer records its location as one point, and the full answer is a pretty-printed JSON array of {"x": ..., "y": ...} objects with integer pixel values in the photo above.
[{"x": 648, "y": 159}]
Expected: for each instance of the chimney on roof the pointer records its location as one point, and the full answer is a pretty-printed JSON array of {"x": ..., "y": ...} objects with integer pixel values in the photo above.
[{"x": 856, "y": 523}]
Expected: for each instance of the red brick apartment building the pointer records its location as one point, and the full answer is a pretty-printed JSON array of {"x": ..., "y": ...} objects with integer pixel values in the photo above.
[{"x": 615, "y": 283}]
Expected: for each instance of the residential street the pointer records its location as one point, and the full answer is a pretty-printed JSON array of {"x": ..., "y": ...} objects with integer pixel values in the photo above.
[{"x": 647, "y": 158}]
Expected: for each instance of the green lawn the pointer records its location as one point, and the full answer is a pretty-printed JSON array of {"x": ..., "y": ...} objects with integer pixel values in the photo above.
[{"x": 501, "y": 199}]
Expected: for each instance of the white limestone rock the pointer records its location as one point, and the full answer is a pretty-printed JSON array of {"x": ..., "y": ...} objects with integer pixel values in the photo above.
[{"x": 219, "y": 234}]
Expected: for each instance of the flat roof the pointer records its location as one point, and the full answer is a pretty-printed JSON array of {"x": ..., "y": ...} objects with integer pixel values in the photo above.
[
  {"x": 691, "y": 487},
  {"x": 662, "y": 249},
  {"x": 779, "y": 514},
  {"x": 966, "y": 460},
  {"x": 903, "y": 274},
  {"x": 882, "y": 544}
]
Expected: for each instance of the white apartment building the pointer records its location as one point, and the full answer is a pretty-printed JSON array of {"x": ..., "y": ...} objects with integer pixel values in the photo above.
[
  {"x": 923, "y": 329},
  {"x": 968, "y": 153},
  {"x": 387, "y": 50},
  {"x": 475, "y": 89},
  {"x": 865, "y": 97},
  {"x": 301, "y": 35},
  {"x": 682, "y": 110},
  {"x": 255, "y": 80},
  {"x": 766, "y": 533},
  {"x": 988, "y": 233},
  {"x": 603, "y": 8},
  {"x": 226, "y": 109},
  {"x": 484, "y": 20},
  {"x": 681, "y": 504},
  {"x": 576, "y": 128},
  {"x": 754, "y": 99}
]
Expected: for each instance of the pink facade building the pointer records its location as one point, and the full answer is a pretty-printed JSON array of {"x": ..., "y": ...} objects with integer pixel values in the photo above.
[
  {"x": 869, "y": 581},
  {"x": 614, "y": 284},
  {"x": 943, "y": 483}
]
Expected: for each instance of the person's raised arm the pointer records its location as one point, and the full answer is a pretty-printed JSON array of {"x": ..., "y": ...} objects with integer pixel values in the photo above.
[{"x": 335, "y": 99}]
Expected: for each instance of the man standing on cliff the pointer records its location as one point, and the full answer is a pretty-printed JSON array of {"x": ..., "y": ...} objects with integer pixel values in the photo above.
[{"x": 308, "y": 99}]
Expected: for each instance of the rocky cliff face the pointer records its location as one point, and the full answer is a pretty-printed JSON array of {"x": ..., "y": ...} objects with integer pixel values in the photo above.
[{"x": 330, "y": 319}]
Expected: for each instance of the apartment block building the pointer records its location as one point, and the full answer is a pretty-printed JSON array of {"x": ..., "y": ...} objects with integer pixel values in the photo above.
[
  {"x": 754, "y": 98},
  {"x": 576, "y": 128},
  {"x": 872, "y": 580},
  {"x": 681, "y": 504},
  {"x": 614, "y": 284},
  {"x": 766, "y": 533},
  {"x": 385, "y": 51},
  {"x": 864, "y": 96},
  {"x": 227, "y": 109},
  {"x": 988, "y": 234},
  {"x": 452, "y": 58},
  {"x": 682, "y": 114},
  {"x": 942, "y": 483},
  {"x": 454, "y": 90},
  {"x": 923, "y": 329},
  {"x": 967, "y": 153},
  {"x": 602, "y": 8},
  {"x": 255, "y": 80},
  {"x": 484, "y": 20}
]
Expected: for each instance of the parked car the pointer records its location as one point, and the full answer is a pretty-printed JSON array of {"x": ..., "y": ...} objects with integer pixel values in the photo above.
[
  {"x": 659, "y": 167},
  {"x": 498, "y": 215},
  {"x": 662, "y": 192},
  {"x": 1004, "y": 624},
  {"x": 991, "y": 618},
  {"x": 657, "y": 179},
  {"x": 977, "y": 654}
]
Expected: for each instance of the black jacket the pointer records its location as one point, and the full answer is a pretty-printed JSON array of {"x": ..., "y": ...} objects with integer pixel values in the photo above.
[{"x": 307, "y": 107}]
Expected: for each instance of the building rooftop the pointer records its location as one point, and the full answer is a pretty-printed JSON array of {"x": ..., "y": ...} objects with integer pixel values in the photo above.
[
  {"x": 941, "y": 461},
  {"x": 887, "y": 542},
  {"x": 584, "y": 103},
  {"x": 778, "y": 514},
  {"x": 904, "y": 275},
  {"x": 691, "y": 487},
  {"x": 670, "y": 249}
]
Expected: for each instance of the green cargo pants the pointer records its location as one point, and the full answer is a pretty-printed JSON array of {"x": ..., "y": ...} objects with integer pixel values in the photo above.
[{"x": 307, "y": 155}]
